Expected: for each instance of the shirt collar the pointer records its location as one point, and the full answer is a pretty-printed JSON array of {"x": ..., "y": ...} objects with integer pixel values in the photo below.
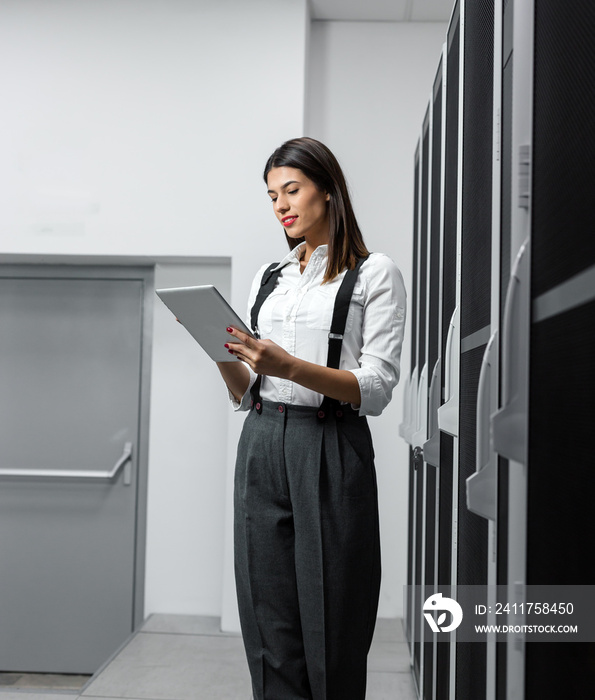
[{"x": 294, "y": 255}]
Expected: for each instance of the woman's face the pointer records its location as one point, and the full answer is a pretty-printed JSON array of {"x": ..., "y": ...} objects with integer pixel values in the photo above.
[{"x": 299, "y": 205}]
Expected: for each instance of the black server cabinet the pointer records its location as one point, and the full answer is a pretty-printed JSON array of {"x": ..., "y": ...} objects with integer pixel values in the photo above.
[
  {"x": 475, "y": 295},
  {"x": 505, "y": 268},
  {"x": 561, "y": 478},
  {"x": 419, "y": 438},
  {"x": 447, "y": 309},
  {"x": 409, "y": 621},
  {"x": 431, "y": 458}
]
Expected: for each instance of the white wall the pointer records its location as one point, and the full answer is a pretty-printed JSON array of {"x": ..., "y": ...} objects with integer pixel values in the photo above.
[
  {"x": 368, "y": 87},
  {"x": 141, "y": 127},
  {"x": 187, "y": 459}
]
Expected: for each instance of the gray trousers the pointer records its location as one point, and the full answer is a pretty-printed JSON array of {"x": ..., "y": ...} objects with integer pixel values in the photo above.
[{"x": 307, "y": 552}]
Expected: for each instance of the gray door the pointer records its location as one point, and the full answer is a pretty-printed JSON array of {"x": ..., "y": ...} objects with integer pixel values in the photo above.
[{"x": 70, "y": 391}]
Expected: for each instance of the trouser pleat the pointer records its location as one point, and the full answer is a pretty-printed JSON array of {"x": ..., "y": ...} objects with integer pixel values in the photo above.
[{"x": 307, "y": 555}]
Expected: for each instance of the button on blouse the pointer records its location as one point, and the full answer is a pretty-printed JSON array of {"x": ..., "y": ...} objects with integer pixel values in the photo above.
[{"x": 297, "y": 316}]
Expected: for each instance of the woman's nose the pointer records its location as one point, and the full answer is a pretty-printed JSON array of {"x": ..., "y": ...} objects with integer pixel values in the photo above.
[{"x": 281, "y": 204}]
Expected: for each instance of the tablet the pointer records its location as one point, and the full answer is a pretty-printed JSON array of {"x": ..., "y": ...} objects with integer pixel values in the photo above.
[{"x": 205, "y": 314}]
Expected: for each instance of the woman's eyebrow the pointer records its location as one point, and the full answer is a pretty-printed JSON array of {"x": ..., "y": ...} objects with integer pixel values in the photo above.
[{"x": 289, "y": 182}]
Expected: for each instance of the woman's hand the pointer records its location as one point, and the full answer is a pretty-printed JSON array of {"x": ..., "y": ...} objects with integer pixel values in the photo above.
[
  {"x": 263, "y": 356},
  {"x": 266, "y": 357}
]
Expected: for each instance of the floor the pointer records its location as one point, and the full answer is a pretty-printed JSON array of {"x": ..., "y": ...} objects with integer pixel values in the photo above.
[{"x": 179, "y": 657}]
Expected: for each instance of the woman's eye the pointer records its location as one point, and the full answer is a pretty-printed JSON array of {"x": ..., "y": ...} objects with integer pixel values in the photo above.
[
  {"x": 273, "y": 200},
  {"x": 292, "y": 192}
]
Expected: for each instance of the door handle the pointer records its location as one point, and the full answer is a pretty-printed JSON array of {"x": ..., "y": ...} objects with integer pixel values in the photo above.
[
  {"x": 420, "y": 430},
  {"x": 405, "y": 421},
  {"x": 431, "y": 448},
  {"x": 410, "y": 428},
  {"x": 79, "y": 474},
  {"x": 448, "y": 413},
  {"x": 509, "y": 424},
  {"x": 481, "y": 486}
]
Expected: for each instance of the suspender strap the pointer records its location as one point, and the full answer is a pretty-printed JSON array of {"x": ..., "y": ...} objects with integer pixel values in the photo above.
[
  {"x": 342, "y": 301},
  {"x": 267, "y": 284},
  {"x": 335, "y": 336}
]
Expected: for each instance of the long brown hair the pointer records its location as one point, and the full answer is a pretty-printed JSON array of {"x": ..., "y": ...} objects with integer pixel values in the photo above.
[{"x": 316, "y": 161}]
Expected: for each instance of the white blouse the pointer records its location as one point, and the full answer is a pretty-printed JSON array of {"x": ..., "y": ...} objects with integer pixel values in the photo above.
[{"x": 297, "y": 316}]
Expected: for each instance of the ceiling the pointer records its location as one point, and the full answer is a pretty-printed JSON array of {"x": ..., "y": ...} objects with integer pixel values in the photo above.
[{"x": 387, "y": 10}]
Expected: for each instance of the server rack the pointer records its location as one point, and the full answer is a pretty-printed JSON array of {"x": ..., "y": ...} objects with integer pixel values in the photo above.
[
  {"x": 420, "y": 434},
  {"x": 422, "y": 482},
  {"x": 482, "y": 486},
  {"x": 510, "y": 422},
  {"x": 449, "y": 411},
  {"x": 408, "y": 429},
  {"x": 505, "y": 328},
  {"x": 450, "y": 542},
  {"x": 553, "y": 318},
  {"x": 562, "y": 331},
  {"x": 506, "y": 14},
  {"x": 430, "y": 448},
  {"x": 475, "y": 303},
  {"x": 408, "y": 425},
  {"x": 447, "y": 417}
]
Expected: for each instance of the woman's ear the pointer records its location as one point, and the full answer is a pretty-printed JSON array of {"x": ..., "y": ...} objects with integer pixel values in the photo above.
[{"x": 327, "y": 196}]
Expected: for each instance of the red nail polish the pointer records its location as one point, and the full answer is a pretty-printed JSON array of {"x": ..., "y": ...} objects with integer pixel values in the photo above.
[
  {"x": 229, "y": 330},
  {"x": 226, "y": 346},
  {"x": 230, "y": 352}
]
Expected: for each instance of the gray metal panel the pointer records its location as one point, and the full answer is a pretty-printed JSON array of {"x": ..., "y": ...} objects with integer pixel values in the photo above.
[
  {"x": 70, "y": 400},
  {"x": 571, "y": 293},
  {"x": 474, "y": 340},
  {"x": 73, "y": 347},
  {"x": 148, "y": 302},
  {"x": 523, "y": 23}
]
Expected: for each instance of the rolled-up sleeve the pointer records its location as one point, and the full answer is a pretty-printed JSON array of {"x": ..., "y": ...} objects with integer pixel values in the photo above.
[
  {"x": 244, "y": 404},
  {"x": 383, "y": 327}
]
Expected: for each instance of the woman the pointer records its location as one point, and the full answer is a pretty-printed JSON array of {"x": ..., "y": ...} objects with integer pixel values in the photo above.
[{"x": 329, "y": 318}]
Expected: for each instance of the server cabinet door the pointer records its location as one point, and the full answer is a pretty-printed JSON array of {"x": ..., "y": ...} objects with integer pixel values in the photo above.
[{"x": 561, "y": 478}]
